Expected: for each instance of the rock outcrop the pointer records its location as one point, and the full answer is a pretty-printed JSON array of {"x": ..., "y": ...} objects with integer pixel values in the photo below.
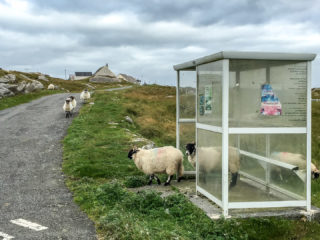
[
  {"x": 32, "y": 86},
  {"x": 10, "y": 87},
  {"x": 9, "y": 78},
  {"x": 5, "y": 92},
  {"x": 43, "y": 77}
]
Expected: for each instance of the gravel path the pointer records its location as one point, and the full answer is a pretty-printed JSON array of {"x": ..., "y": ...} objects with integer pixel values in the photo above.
[{"x": 31, "y": 182}]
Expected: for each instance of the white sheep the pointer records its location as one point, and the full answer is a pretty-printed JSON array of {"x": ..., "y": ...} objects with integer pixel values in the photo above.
[
  {"x": 67, "y": 107},
  {"x": 51, "y": 86},
  {"x": 73, "y": 101},
  {"x": 211, "y": 158},
  {"x": 295, "y": 159},
  {"x": 167, "y": 160},
  {"x": 85, "y": 95}
]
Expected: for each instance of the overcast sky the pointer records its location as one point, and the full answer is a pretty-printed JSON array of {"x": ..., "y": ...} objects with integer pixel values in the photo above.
[{"x": 145, "y": 38}]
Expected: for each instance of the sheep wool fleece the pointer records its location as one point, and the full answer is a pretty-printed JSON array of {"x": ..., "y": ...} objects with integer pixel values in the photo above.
[{"x": 160, "y": 160}]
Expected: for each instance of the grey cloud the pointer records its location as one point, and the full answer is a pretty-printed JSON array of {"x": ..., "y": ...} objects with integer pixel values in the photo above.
[
  {"x": 60, "y": 34},
  {"x": 200, "y": 12}
]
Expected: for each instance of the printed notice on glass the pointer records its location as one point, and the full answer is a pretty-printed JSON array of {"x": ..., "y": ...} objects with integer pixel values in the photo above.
[
  {"x": 295, "y": 97},
  {"x": 208, "y": 99}
]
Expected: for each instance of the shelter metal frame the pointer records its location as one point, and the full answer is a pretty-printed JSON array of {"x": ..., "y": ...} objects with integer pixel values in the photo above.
[{"x": 225, "y": 131}]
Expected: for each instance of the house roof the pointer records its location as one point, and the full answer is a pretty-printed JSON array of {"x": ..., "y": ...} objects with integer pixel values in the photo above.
[
  {"x": 127, "y": 77},
  {"x": 83, "y": 74},
  {"x": 104, "y": 72}
]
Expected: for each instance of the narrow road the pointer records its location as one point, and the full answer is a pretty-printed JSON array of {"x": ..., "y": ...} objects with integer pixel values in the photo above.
[
  {"x": 120, "y": 88},
  {"x": 34, "y": 201}
]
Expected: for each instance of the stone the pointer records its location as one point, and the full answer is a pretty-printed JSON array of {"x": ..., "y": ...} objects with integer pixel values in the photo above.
[
  {"x": 128, "y": 119},
  {"x": 21, "y": 86},
  {"x": 11, "y": 87},
  {"x": 33, "y": 86},
  {"x": 9, "y": 78},
  {"x": 4, "y": 92},
  {"x": 25, "y": 77},
  {"x": 43, "y": 77},
  {"x": 151, "y": 145}
]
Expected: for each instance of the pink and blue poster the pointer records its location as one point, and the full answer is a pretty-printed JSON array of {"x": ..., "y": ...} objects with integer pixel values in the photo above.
[{"x": 270, "y": 104}]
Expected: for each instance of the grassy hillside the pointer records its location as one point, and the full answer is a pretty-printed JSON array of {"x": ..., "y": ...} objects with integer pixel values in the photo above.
[
  {"x": 99, "y": 172},
  {"x": 63, "y": 86}
]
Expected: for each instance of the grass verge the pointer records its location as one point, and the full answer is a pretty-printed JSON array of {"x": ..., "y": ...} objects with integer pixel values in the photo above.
[{"x": 99, "y": 172}]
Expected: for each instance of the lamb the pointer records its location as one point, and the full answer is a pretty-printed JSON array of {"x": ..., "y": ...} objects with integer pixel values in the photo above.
[
  {"x": 296, "y": 160},
  {"x": 73, "y": 101},
  {"x": 167, "y": 160},
  {"x": 85, "y": 95},
  {"x": 51, "y": 86},
  {"x": 67, "y": 107},
  {"x": 210, "y": 160}
]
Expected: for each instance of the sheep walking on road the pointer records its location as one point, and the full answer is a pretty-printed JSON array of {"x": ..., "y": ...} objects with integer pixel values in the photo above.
[
  {"x": 67, "y": 107},
  {"x": 210, "y": 159},
  {"x": 73, "y": 102},
  {"x": 85, "y": 95},
  {"x": 167, "y": 160}
]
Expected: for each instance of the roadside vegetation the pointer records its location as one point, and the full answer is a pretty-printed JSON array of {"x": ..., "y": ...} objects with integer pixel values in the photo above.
[{"x": 101, "y": 176}]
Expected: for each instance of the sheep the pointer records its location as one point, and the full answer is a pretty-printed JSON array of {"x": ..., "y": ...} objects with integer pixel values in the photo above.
[
  {"x": 67, "y": 107},
  {"x": 50, "y": 86},
  {"x": 85, "y": 95},
  {"x": 167, "y": 160},
  {"x": 295, "y": 159},
  {"x": 73, "y": 101},
  {"x": 211, "y": 159}
]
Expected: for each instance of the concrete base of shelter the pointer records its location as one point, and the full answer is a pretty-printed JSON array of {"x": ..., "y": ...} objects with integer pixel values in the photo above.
[
  {"x": 187, "y": 187},
  {"x": 214, "y": 212}
]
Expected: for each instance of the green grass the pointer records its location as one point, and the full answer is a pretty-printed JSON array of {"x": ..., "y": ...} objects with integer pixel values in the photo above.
[
  {"x": 23, "y": 98},
  {"x": 99, "y": 174}
]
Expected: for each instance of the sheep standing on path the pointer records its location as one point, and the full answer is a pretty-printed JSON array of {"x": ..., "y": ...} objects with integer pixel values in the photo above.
[
  {"x": 211, "y": 159},
  {"x": 167, "y": 160},
  {"x": 85, "y": 95},
  {"x": 73, "y": 102},
  {"x": 67, "y": 107}
]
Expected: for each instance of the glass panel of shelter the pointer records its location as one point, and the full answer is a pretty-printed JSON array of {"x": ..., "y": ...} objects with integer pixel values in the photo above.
[
  {"x": 261, "y": 179},
  {"x": 269, "y": 94},
  {"x": 187, "y": 115},
  {"x": 209, "y": 102},
  {"x": 286, "y": 82}
]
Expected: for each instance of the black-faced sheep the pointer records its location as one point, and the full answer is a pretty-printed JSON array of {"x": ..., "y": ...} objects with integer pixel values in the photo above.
[
  {"x": 73, "y": 102},
  {"x": 167, "y": 160},
  {"x": 67, "y": 107},
  {"x": 211, "y": 159},
  {"x": 85, "y": 95},
  {"x": 293, "y": 159}
]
